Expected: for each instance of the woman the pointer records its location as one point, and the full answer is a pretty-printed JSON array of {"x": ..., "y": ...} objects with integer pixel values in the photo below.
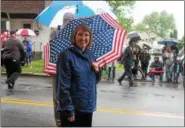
[
  {"x": 76, "y": 78},
  {"x": 169, "y": 64}
]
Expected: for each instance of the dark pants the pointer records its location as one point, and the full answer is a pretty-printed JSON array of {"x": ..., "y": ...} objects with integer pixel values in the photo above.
[
  {"x": 13, "y": 69},
  {"x": 128, "y": 72},
  {"x": 111, "y": 72},
  {"x": 158, "y": 74},
  {"x": 82, "y": 119},
  {"x": 56, "y": 113},
  {"x": 144, "y": 67}
]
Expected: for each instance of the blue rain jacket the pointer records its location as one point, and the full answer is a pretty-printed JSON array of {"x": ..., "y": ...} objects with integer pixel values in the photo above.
[
  {"x": 27, "y": 43},
  {"x": 76, "y": 81}
]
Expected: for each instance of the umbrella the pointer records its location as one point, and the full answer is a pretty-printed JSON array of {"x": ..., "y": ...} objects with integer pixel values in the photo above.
[
  {"x": 142, "y": 44},
  {"x": 4, "y": 36},
  {"x": 52, "y": 16},
  {"x": 47, "y": 68},
  {"x": 25, "y": 32},
  {"x": 108, "y": 37},
  {"x": 134, "y": 36},
  {"x": 168, "y": 41}
]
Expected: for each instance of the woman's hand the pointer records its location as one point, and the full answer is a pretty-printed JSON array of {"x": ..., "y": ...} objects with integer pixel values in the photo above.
[
  {"x": 71, "y": 118},
  {"x": 95, "y": 67}
]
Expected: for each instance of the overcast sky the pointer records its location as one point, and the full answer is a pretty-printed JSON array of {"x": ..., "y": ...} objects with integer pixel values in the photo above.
[{"x": 175, "y": 7}]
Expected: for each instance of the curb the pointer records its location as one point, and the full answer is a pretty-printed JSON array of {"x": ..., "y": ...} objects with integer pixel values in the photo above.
[
  {"x": 31, "y": 74},
  {"x": 46, "y": 75}
]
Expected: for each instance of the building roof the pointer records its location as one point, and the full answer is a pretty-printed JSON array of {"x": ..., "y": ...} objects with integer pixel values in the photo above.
[{"x": 22, "y": 6}]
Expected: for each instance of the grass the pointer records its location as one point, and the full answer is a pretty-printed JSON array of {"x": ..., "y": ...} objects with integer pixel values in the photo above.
[{"x": 37, "y": 67}]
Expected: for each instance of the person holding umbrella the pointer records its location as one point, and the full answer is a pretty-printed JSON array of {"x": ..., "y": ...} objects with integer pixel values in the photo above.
[
  {"x": 127, "y": 60},
  {"x": 76, "y": 92}
]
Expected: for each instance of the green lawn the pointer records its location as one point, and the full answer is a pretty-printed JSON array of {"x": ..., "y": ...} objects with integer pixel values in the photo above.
[{"x": 38, "y": 67}]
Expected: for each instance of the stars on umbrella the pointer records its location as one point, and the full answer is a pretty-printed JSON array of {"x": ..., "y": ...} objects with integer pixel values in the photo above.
[{"x": 103, "y": 36}]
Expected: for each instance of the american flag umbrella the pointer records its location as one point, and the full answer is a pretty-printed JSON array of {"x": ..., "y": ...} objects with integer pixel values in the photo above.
[
  {"x": 25, "y": 32},
  {"x": 47, "y": 68},
  {"x": 108, "y": 37}
]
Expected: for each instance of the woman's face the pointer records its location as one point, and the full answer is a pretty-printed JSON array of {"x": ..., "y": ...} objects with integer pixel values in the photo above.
[
  {"x": 169, "y": 49},
  {"x": 82, "y": 39}
]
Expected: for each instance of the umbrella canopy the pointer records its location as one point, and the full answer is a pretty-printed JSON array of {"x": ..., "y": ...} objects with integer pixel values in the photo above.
[
  {"x": 142, "y": 44},
  {"x": 25, "y": 32},
  {"x": 168, "y": 41},
  {"x": 4, "y": 36},
  {"x": 134, "y": 36},
  {"x": 52, "y": 16},
  {"x": 108, "y": 37}
]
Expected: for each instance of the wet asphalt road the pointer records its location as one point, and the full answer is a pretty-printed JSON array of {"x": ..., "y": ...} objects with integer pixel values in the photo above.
[{"x": 145, "y": 105}]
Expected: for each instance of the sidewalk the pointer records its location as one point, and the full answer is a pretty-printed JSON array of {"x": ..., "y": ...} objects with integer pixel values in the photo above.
[{"x": 29, "y": 74}]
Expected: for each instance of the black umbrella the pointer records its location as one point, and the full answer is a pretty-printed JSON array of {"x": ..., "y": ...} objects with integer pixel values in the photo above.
[
  {"x": 168, "y": 41},
  {"x": 135, "y": 36}
]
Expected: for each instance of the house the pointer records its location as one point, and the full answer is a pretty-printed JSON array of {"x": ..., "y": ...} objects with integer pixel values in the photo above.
[{"x": 22, "y": 14}]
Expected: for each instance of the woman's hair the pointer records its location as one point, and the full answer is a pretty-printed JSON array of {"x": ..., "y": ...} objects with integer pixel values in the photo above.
[{"x": 85, "y": 28}]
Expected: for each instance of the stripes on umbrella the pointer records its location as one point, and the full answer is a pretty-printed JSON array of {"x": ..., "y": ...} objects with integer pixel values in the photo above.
[
  {"x": 119, "y": 38},
  {"x": 114, "y": 54},
  {"x": 25, "y": 32},
  {"x": 48, "y": 69}
]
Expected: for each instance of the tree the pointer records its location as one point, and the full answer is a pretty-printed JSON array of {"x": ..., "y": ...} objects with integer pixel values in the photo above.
[
  {"x": 123, "y": 10},
  {"x": 181, "y": 45},
  {"x": 159, "y": 23},
  {"x": 174, "y": 34}
]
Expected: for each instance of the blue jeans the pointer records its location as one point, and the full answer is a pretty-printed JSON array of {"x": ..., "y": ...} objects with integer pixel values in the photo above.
[{"x": 159, "y": 74}]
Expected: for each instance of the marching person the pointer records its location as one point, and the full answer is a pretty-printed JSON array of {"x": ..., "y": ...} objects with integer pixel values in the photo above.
[
  {"x": 13, "y": 54},
  {"x": 76, "y": 91},
  {"x": 127, "y": 61}
]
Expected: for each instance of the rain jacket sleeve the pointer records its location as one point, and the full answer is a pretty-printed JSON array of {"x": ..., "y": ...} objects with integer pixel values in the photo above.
[
  {"x": 92, "y": 59},
  {"x": 63, "y": 84}
]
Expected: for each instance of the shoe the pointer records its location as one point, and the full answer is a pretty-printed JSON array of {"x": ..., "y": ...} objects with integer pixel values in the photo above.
[
  {"x": 132, "y": 85},
  {"x": 119, "y": 82},
  {"x": 160, "y": 83},
  {"x": 10, "y": 85},
  {"x": 9, "y": 92}
]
